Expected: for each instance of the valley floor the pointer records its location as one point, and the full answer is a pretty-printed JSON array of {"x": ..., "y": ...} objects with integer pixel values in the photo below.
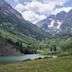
[{"x": 61, "y": 64}]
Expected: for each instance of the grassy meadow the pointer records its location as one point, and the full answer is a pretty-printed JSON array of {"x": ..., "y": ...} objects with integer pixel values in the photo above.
[{"x": 61, "y": 64}]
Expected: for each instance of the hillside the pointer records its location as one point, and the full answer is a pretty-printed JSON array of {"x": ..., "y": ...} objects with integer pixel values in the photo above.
[
  {"x": 20, "y": 36},
  {"x": 13, "y": 21},
  {"x": 16, "y": 33}
]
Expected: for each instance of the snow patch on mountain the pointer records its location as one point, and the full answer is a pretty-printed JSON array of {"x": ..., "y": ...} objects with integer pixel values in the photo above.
[
  {"x": 59, "y": 24},
  {"x": 54, "y": 24},
  {"x": 51, "y": 24}
]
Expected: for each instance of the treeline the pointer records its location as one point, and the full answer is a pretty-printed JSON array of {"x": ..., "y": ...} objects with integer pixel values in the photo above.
[
  {"x": 25, "y": 48},
  {"x": 58, "y": 45},
  {"x": 27, "y": 45}
]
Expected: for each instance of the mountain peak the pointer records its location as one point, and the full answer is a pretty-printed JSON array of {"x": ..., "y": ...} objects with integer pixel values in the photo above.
[
  {"x": 60, "y": 16},
  {"x": 62, "y": 12},
  {"x": 60, "y": 23},
  {"x": 70, "y": 11}
]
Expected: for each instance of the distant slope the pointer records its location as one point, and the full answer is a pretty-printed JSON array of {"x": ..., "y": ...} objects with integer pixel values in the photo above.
[
  {"x": 59, "y": 24},
  {"x": 17, "y": 34},
  {"x": 11, "y": 20},
  {"x": 16, "y": 42},
  {"x": 66, "y": 27}
]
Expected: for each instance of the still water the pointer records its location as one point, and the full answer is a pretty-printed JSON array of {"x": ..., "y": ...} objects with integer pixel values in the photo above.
[{"x": 20, "y": 58}]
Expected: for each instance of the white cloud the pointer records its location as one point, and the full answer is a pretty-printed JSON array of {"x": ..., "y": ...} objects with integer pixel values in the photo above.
[
  {"x": 58, "y": 2},
  {"x": 29, "y": 14},
  {"x": 16, "y": 0},
  {"x": 32, "y": 17},
  {"x": 43, "y": 8},
  {"x": 39, "y": 7},
  {"x": 20, "y": 8},
  {"x": 66, "y": 9},
  {"x": 31, "y": 10}
]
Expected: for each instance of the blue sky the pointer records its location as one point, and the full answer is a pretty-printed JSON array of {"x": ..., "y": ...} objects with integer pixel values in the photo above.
[{"x": 37, "y": 10}]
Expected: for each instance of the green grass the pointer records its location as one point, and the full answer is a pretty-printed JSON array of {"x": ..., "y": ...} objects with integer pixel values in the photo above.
[
  {"x": 62, "y": 64},
  {"x": 44, "y": 51},
  {"x": 18, "y": 37}
]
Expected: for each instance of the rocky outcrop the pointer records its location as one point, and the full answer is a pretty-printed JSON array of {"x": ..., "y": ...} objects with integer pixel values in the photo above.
[{"x": 6, "y": 52}]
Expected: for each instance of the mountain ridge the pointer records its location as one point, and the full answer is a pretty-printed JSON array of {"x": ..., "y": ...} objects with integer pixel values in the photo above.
[
  {"x": 12, "y": 20},
  {"x": 17, "y": 34},
  {"x": 59, "y": 24}
]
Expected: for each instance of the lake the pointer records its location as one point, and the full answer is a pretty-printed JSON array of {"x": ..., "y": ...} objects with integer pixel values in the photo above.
[{"x": 22, "y": 57}]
